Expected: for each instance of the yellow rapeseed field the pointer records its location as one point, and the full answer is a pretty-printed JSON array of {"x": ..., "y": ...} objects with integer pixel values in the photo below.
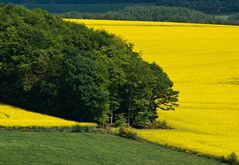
[
  {"x": 16, "y": 117},
  {"x": 203, "y": 62}
]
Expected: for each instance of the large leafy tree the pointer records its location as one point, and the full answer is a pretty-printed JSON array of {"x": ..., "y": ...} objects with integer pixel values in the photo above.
[{"x": 68, "y": 70}]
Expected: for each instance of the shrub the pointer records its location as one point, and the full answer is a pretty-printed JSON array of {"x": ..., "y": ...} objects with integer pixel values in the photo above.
[
  {"x": 120, "y": 120},
  {"x": 142, "y": 120},
  {"x": 162, "y": 124},
  {"x": 125, "y": 132},
  {"x": 233, "y": 159},
  {"x": 106, "y": 130}
]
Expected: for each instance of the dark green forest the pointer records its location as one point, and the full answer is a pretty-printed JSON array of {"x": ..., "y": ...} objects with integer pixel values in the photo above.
[
  {"x": 67, "y": 70},
  {"x": 150, "y": 13},
  {"x": 208, "y": 6},
  {"x": 191, "y": 11},
  {"x": 77, "y": 1},
  {"x": 234, "y": 19}
]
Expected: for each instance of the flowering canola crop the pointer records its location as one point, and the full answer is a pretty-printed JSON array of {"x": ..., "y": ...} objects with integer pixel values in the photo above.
[
  {"x": 203, "y": 62},
  {"x": 16, "y": 117}
]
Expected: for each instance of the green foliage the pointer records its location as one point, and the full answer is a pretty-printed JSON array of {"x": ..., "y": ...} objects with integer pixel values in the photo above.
[
  {"x": 142, "y": 120},
  {"x": 234, "y": 20},
  {"x": 233, "y": 159},
  {"x": 150, "y": 13},
  {"x": 208, "y": 6},
  {"x": 126, "y": 133},
  {"x": 162, "y": 124},
  {"x": 75, "y": 1},
  {"x": 90, "y": 8},
  {"x": 120, "y": 120},
  {"x": 70, "y": 71}
]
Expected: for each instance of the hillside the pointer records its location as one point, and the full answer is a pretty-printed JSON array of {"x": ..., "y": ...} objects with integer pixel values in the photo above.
[
  {"x": 149, "y": 13},
  {"x": 203, "y": 61},
  {"x": 76, "y": 1},
  {"x": 82, "y": 148},
  {"x": 208, "y": 6}
]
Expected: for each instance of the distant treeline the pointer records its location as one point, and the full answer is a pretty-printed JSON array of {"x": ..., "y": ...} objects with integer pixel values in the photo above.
[
  {"x": 208, "y": 6},
  {"x": 234, "y": 20},
  {"x": 76, "y": 1},
  {"x": 150, "y": 13}
]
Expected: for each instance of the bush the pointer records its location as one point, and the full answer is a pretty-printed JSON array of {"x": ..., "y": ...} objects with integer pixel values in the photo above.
[
  {"x": 142, "y": 120},
  {"x": 162, "y": 124},
  {"x": 120, "y": 120},
  {"x": 125, "y": 132},
  {"x": 233, "y": 159},
  {"x": 106, "y": 130}
]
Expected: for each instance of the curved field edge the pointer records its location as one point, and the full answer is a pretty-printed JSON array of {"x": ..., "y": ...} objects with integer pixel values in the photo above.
[
  {"x": 202, "y": 61},
  {"x": 16, "y": 118},
  {"x": 96, "y": 22},
  {"x": 149, "y": 137},
  {"x": 84, "y": 148}
]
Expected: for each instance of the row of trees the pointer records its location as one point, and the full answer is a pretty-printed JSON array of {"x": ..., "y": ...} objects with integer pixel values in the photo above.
[
  {"x": 76, "y": 1},
  {"x": 208, "y": 6},
  {"x": 68, "y": 70},
  {"x": 150, "y": 13},
  {"x": 234, "y": 20}
]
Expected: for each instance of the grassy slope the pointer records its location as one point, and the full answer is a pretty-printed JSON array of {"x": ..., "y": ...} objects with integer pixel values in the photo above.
[{"x": 82, "y": 148}]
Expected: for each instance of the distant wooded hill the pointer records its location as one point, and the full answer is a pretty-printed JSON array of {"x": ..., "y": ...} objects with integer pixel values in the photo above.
[
  {"x": 150, "y": 13},
  {"x": 208, "y": 6},
  {"x": 78, "y": 1}
]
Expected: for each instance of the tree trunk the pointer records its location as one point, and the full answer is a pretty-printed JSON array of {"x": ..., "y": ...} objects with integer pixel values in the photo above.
[
  {"x": 129, "y": 108},
  {"x": 111, "y": 117}
]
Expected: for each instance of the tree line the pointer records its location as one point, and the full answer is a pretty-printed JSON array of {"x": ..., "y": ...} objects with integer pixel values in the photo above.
[
  {"x": 157, "y": 14},
  {"x": 75, "y": 1},
  {"x": 67, "y": 70},
  {"x": 208, "y": 6},
  {"x": 233, "y": 20},
  {"x": 149, "y": 13}
]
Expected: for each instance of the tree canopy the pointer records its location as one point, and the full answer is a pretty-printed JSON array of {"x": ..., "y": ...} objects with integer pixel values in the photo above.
[
  {"x": 150, "y": 13},
  {"x": 65, "y": 69},
  {"x": 76, "y": 1},
  {"x": 208, "y": 6}
]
